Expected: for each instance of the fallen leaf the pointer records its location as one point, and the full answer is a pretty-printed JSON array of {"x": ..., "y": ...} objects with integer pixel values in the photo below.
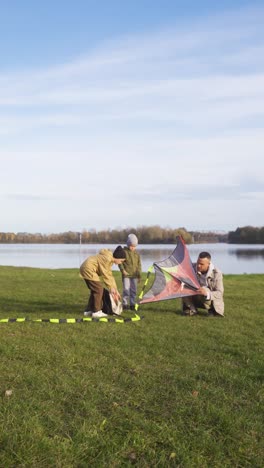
[{"x": 132, "y": 457}]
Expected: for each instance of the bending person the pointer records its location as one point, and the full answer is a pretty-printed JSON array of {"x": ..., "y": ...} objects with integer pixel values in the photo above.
[
  {"x": 210, "y": 294},
  {"x": 97, "y": 268}
]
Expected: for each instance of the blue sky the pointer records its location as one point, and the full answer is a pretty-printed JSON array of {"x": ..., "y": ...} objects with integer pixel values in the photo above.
[{"x": 117, "y": 114}]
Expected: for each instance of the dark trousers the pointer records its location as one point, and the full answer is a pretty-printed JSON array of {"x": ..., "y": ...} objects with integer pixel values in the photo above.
[
  {"x": 197, "y": 301},
  {"x": 95, "y": 301}
]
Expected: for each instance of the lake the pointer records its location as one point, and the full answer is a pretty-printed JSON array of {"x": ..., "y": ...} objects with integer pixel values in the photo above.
[{"x": 230, "y": 258}]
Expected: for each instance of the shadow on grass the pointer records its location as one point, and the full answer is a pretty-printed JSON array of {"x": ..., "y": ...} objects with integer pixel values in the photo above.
[
  {"x": 159, "y": 309},
  {"x": 8, "y": 305}
]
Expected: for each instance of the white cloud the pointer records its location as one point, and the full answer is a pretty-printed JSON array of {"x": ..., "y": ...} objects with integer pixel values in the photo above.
[{"x": 175, "y": 115}]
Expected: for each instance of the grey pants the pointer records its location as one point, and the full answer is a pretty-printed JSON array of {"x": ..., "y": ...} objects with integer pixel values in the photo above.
[{"x": 129, "y": 291}]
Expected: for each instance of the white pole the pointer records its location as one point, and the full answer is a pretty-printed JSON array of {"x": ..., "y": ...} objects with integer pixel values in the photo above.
[{"x": 80, "y": 245}]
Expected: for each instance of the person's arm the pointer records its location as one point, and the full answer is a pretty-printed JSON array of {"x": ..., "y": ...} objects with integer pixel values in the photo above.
[
  {"x": 216, "y": 290},
  {"x": 121, "y": 267},
  {"x": 107, "y": 276},
  {"x": 139, "y": 268},
  {"x": 204, "y": 291}
]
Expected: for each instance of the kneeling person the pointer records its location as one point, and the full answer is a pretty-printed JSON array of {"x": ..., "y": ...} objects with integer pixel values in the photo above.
[{"x": 210, "y": 294}]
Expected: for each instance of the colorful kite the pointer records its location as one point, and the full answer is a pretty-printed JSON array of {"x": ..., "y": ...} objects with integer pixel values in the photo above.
[{"x": 174, "y": 277}]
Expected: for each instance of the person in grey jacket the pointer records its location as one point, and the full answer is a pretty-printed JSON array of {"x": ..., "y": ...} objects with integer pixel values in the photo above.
[{"x": 210, "y": 294}]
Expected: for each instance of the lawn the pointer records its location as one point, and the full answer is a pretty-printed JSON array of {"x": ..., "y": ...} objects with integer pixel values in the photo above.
[{"x": 165, "y": 391}]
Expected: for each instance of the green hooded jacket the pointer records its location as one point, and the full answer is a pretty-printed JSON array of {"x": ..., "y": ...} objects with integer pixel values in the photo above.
[{"x": 132, "y": 264}]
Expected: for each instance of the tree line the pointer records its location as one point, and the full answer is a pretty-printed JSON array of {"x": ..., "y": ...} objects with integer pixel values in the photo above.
[
  {"x": 146, "y": 235},
  {"x": 247, "y": 235}
]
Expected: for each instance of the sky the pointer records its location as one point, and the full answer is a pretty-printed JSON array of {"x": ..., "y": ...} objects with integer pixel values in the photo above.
[{"x": 117, "y": 114}]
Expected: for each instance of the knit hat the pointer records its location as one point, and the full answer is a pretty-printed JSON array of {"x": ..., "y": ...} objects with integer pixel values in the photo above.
[
  {"x": 119, "y": 252},
  {"x": 132, "y": 240}
]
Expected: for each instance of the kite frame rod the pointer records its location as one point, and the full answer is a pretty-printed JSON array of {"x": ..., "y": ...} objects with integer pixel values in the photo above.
[{"x": 144, "y": 286}]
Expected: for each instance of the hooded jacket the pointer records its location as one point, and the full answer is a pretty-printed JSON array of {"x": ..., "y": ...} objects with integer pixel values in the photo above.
[
  {"x": 99, "y": 267},
  {"x": 132, "y": 264}
]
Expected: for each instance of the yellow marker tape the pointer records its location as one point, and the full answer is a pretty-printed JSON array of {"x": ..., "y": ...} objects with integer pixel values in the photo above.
[
  {"x": 72, "y": 320},
  {"x": 119, "y": 320},
  {"x": 136, "y": 318}
]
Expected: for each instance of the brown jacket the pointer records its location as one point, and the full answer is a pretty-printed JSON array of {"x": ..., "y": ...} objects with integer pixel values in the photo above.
[{"x": 99, "y": 267}]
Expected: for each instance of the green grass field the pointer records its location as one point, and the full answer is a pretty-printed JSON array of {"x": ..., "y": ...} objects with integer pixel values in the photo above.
[{"x": 165, "y": 391}]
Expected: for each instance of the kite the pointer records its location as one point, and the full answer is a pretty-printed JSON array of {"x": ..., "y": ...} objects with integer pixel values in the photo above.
[{"x": 174, "y": 277}]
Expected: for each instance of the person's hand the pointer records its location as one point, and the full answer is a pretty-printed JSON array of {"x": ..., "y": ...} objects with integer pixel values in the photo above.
[
  {"x": 115, "y": 294},
  {"x": 124, "y": 273},
  {"x": 203, "y": 291}
]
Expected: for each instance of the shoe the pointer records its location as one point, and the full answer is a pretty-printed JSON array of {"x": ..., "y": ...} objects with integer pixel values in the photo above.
[
  {"x": 213, "y": 313},
  {"x": 87, "y": 313},
  {"x": 193, "y": 311},
  {"x": 190, "y": 311},
  {"x": 125, "y": 307},
  {"x": 132, "y": 307},
  {"x": 99, "y": 314}
]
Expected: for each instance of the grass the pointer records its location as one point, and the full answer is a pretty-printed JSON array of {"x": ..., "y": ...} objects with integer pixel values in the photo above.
[{"x": 166, "y": 391}]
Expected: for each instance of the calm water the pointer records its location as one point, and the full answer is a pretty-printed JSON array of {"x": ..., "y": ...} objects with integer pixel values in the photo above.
[{"x": 230, "y": 258}]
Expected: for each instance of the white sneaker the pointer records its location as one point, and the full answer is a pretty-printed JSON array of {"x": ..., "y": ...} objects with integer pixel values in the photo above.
[
  {"x": 99, "y": 314},
  {"x": 88, "y": 313}
]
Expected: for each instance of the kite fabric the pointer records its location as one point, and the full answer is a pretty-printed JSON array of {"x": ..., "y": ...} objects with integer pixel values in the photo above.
[{"x": 174, "y": 277}]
